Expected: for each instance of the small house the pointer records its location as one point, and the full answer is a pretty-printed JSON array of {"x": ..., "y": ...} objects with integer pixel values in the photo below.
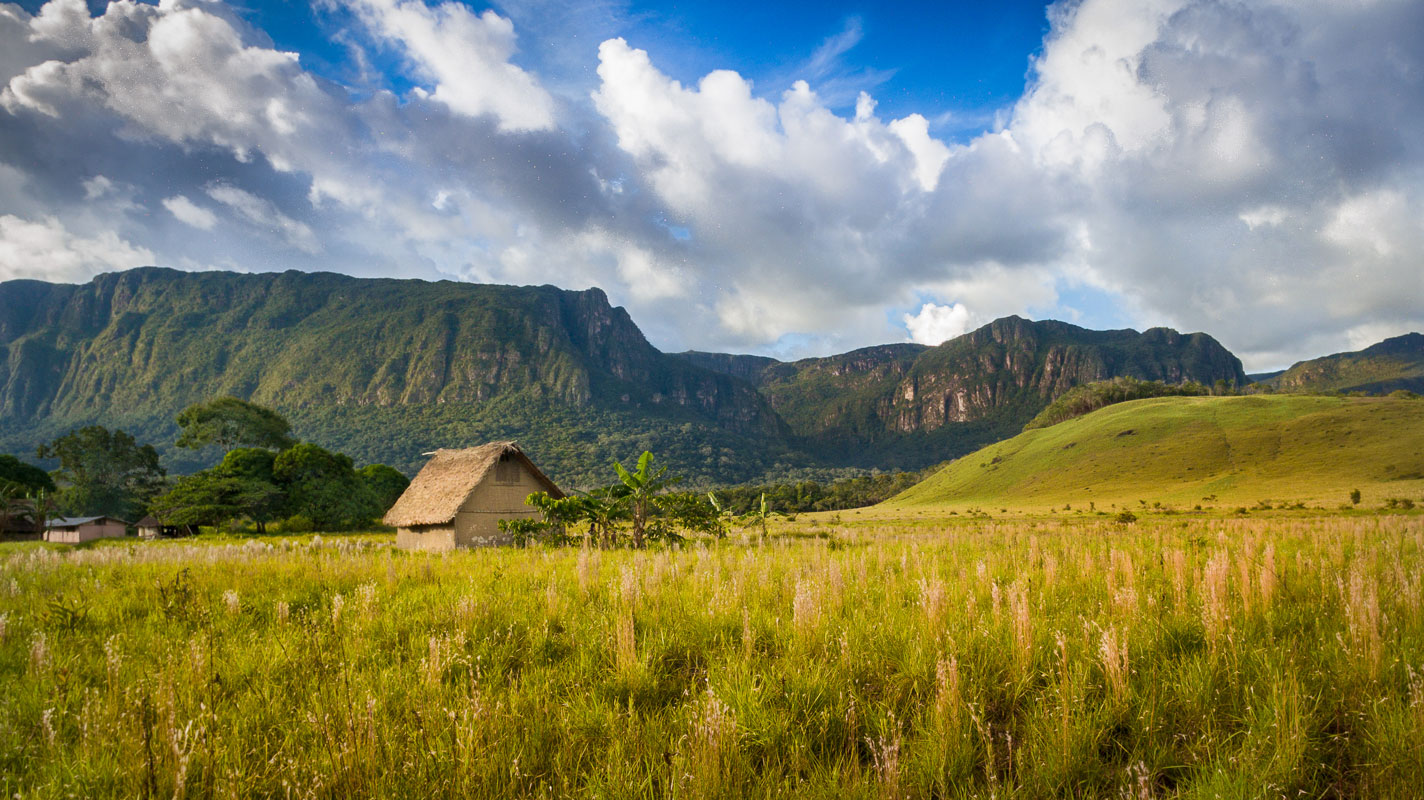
[
  {"x": 73, "y": 530},
  {"x": 459, "y": 496},
  {"x": 151, "y": 528}
]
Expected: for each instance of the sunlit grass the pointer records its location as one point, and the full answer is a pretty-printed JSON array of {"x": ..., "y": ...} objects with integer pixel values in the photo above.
[{"x": 1174, "y": 657}]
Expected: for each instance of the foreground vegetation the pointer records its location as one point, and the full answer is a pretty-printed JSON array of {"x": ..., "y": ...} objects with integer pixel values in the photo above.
[{"x": 1167, "y": 658}]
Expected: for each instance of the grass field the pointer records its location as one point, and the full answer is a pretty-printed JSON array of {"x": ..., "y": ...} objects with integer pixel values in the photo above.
[
  {"x": 1189, "y": 451},
  {"x": 1280, "y": 656}
]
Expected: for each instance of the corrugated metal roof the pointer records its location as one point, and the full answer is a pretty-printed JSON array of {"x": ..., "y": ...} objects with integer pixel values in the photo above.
[{"x": 74, "y": 522}]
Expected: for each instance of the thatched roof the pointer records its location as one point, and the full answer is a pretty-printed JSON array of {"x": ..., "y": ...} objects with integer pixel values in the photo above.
[{"x": 442, "y": 485}]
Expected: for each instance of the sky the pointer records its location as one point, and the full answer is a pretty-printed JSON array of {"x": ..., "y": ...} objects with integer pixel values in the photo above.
[{"x": 790, "y": 179}]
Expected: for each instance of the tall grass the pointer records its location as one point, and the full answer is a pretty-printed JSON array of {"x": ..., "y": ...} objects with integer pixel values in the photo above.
[{"x": 1171, "y": 658}]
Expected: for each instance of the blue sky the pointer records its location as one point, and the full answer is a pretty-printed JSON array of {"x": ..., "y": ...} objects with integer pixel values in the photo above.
[
  {"x": 784, "y": 178},
  {"x": 958, "y": 63}
]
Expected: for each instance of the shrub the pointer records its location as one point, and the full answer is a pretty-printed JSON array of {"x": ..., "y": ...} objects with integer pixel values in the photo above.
[{"x": 298, "y": 523}]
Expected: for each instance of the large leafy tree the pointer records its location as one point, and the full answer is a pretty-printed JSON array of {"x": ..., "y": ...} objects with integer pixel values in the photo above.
[
  {"x": 104, "y": 472},
  {"x": 322, "y": 486},
  {"x": 383, "y": 484},
  {"x": 243, "y": 485},
  {"x": 212, "y": 496},
  {"x": 227, "y": 422},
  {"x": 29, "y": 476}
]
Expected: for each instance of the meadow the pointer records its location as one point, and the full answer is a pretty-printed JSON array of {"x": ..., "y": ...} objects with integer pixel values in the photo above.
[{"x": 1276, "y": 655}]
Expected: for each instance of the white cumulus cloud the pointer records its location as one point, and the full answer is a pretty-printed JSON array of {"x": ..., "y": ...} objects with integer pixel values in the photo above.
[
  {"x": 936, "y": 323},
  {"x": 466, "y": 56},
  {"x": 46, "y": 249}
]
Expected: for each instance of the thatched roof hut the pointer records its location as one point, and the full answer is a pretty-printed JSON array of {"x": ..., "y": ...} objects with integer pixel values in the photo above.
[{"x": 459, "y": 496}]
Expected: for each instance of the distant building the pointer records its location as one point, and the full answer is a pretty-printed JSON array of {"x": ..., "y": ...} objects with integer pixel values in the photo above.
[
  {"x": 151, "y": 528},
  {"x": 459, "y": 496},
  {"x": 73, "y": 530}
]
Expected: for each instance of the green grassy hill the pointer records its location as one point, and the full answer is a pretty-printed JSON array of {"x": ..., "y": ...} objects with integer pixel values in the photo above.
[{"x": 1182, "y": 450}]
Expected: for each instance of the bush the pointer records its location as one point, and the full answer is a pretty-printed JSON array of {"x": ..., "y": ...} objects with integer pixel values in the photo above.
[
  {"x": 1125, "y": 517},
  {"x": 298, "y": 523}
]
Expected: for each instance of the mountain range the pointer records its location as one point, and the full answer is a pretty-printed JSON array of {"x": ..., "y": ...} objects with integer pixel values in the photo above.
[
  {"x": 386, "y": 370},
  {"x": 1391, "y": 365}
]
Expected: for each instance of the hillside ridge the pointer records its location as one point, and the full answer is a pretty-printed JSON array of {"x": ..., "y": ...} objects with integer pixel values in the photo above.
[{"x": 1192, "y": 450}]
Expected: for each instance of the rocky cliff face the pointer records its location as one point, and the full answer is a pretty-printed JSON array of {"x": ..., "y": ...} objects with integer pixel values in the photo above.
[
  {"x": 986, "y": 383},
  {"x": 1016, "y": 366}
]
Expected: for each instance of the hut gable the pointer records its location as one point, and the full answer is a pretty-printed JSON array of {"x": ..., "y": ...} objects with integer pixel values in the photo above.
[{"x": 455, "y": 480}]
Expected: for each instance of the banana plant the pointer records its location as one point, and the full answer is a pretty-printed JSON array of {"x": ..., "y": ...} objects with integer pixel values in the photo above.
[
  {"x": 641, "y": 488},
  {"x": 758, "y": 516}
]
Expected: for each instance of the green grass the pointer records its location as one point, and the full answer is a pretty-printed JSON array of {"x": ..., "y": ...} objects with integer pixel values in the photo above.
[
  {"x": 1187, "y": 451},
  {"x": 1040, "y": 658}
]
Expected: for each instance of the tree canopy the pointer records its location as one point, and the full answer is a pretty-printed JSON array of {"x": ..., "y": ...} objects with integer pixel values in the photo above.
[
  {"x": 104, "y": 472},
  {"x": 226, "y": 422},
  {"x": 322, "y": 486},
  {"x": 29, "y": 476},
  {"x": 384, "y": 484}
]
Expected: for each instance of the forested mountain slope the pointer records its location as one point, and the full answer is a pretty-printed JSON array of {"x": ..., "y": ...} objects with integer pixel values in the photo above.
[
  {"x": 389, "y": 369},
  {"x": 382, "y": 369}
]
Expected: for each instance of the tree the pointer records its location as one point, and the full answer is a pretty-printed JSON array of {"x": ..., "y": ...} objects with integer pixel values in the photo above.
[
  {"x": 104, "y": 472},
  {"x": 29, "y": 476},
  {"x": 16, "y": 510},
  {"x": 256, "y": 493},
  {"x": 641, "y": 488},
  {"x": 203, "y": 498},
  {"x": 557, "y": 514},
  {"x": 688, "y": 511},
  {"x": 322, "y": 486},
  {"x": 384, "y": 485},
  {"x": 226, "y": 422},
  {"x": 243, "y": 485}
]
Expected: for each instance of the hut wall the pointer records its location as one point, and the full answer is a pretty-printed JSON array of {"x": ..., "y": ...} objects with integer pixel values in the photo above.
[
  {"x": 477, "y": 522},
  {"x": 431, "y": 538},
  {"x": 108, "y": 529}
]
